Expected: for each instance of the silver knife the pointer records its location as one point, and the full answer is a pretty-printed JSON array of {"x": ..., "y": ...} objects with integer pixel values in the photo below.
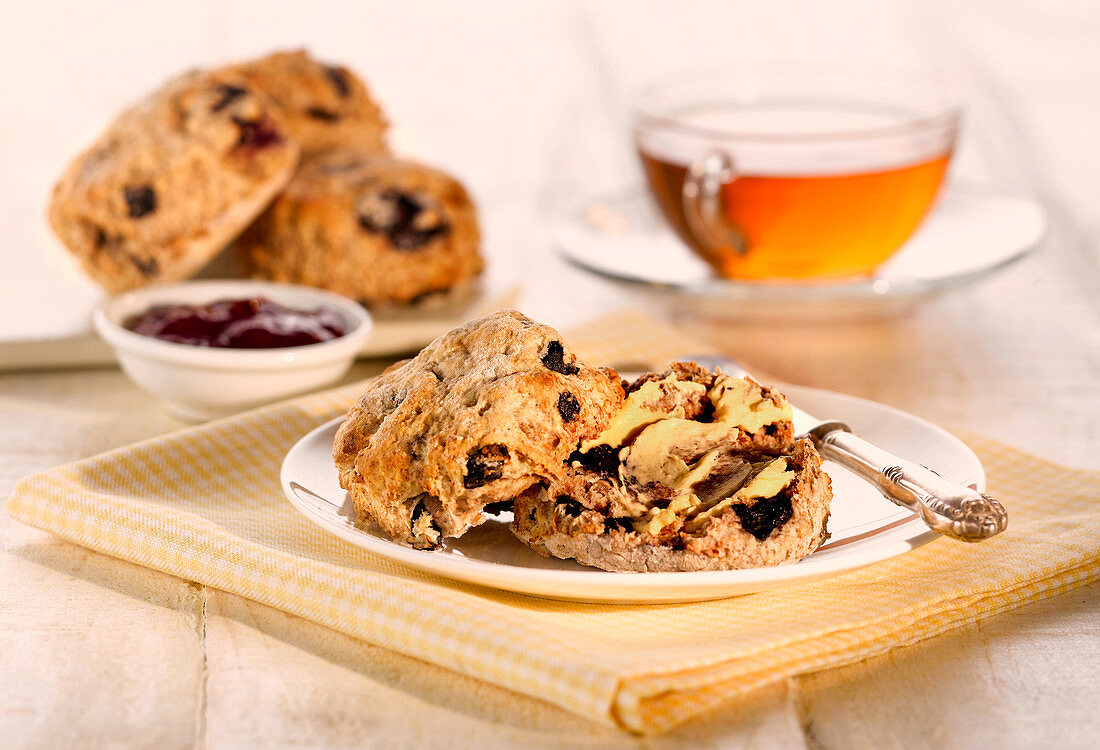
[{"x": 952, "y": 509}]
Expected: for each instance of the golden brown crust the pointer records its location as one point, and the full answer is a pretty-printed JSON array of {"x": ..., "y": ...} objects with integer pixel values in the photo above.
[
  {"x": 324, "y": 106},
  {"x": 481, "y": 414},
  {"x": 376, "y": 229},
  {"x": 172, "y": 180}
]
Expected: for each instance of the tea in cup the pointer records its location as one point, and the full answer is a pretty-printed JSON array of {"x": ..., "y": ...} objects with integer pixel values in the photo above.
[{"x": 786, "y": 172}]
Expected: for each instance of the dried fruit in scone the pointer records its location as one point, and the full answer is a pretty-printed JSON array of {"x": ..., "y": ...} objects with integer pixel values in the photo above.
[
  {"x": 379, "y": 230},
  {"x": 172, "y": 181},
  {"x": 480, "y": 415},
  {"x": 694, "y": 409},
  {"x": 741, "y": 511},
  {"x": 324, "y": 106},
  {"x": 697, "y": 471}
]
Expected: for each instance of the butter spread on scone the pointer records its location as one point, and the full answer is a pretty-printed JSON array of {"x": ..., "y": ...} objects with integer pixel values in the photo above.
[
  {"x": 729, "y": 403},
  {"x": 697, "y": 471},
  {"x": 483, "y": 413}
]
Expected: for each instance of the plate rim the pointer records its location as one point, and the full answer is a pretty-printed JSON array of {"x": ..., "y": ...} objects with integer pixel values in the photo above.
[{"x": 619, "y": 586}]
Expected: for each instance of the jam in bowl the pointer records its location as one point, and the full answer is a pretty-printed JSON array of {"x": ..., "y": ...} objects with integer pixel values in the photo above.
[
  {"x": 251, "y": 323},
  {"x": 212, "y": 348}
]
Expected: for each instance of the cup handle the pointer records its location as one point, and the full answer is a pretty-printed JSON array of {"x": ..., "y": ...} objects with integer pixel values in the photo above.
[{"x": 702, "y": 199}]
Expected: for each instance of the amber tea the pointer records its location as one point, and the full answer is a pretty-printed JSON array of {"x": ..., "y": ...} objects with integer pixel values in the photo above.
[
  {"x": 782, "y": 188},
  {"x": 798, "y": 226}
]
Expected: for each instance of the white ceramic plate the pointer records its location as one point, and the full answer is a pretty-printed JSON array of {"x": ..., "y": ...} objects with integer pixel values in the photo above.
[
  {"x": 866, "y": 528},
  {"x": 973, "y": 231}
]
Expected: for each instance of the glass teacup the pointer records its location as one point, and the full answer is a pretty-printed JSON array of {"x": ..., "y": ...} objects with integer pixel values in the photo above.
[{"x": 803, "y": 172}]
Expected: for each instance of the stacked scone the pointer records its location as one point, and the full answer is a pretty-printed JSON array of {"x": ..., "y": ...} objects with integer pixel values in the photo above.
[
  {"x": 373, "y": 228},
  {"x": 681, "y": 470},
  {"x": 289, "y": 145}
]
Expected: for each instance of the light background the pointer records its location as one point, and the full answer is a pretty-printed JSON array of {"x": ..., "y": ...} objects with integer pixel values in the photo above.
[{"x": 524, "y": 101}]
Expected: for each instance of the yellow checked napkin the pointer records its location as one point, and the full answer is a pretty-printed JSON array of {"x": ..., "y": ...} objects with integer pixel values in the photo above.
[{"x": 204, "y": 504}]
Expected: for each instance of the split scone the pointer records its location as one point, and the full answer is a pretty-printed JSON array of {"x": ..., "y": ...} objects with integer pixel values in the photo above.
[
  {"x": 697, "y": 471},
  {"x": 480, "y": 415}
]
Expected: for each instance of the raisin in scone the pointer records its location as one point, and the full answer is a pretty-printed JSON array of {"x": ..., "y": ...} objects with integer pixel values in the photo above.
[
  {"x": 697, "y": 471},
  {"x": 776, "y": 515},
  {"x": 172, "y": 181},
  {"x": 480, "y": 415},
  {"x": 323, "y": 106},
  {"x": 379, "y": 230}
]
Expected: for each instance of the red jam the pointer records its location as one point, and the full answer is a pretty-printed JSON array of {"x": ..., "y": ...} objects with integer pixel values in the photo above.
[{"x": 256, "y": 323}]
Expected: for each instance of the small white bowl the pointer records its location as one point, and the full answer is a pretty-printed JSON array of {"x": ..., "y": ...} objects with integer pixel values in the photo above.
[{"x": 199, "y": 383}]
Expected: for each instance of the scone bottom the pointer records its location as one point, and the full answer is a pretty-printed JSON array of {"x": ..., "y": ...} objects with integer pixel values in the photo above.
[{"x": 697, "y": 471}]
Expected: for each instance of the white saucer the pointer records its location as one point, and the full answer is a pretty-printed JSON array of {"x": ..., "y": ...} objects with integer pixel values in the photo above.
[
  {"x": 973, "y": 231},
  {"x": 865, "y": 527}
]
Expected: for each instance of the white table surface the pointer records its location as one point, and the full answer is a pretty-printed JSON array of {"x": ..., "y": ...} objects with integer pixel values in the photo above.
[{"x": 524, "y": 101}]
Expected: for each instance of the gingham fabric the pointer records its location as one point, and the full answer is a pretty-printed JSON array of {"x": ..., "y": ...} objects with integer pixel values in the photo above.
[{"x": 204, "y": 504}]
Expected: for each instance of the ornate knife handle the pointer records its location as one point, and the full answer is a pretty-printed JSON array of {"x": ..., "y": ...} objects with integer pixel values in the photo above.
[{"x": 949, "y": 508}]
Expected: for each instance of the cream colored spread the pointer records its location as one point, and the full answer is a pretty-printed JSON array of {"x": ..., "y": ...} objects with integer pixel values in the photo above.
[
  {"x": 773, "y": 478},
  {"x": 654, "y": 440},
  {"x": 640, "y": 410},
  {"x": 738, "y": 402},
  {"x": 651, "y": 457},
  {"x": 741, "y": 402},
  {"x": 658, "y": 518}
]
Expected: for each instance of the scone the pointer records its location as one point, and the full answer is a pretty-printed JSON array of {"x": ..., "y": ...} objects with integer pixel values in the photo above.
[
  {"x": 697, "y": 409},
  {"x": 379, "y": 230},
  {"x": 172, "y": 181},
  {"x": 776, "y": 515},
  {"x": 480, "y": 415},
  {"x": 697, "y": 471},
  {"x": 323, "y": 106}
]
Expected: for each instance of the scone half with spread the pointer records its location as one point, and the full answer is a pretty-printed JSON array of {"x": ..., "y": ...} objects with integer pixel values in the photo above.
[
  {"x": 697, "y": 471},
  {"x": 483, "y": 413},
  {"x": 173, "y": 180}
]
